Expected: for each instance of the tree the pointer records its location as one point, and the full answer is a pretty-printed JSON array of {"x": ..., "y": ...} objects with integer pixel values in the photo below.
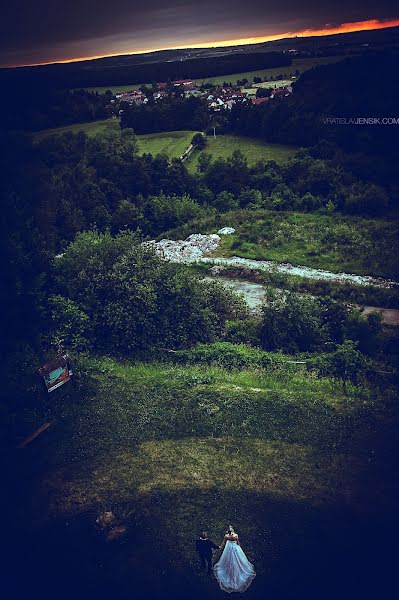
[
  {"x": 204, "y": 160},
  {"x": 263, "y": 92},
  {"x": 225, "y": 201},
  {"x": 199, "y": 141},
  {"x": 137, "y": 302},
  {"x": 126, "y": 216}
]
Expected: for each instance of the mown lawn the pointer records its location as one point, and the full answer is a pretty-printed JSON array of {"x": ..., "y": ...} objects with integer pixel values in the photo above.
[
  {"x": 337, "y": 243},
  {"x": 131, "y": 429},
  {"x": 222, "y": 146}
]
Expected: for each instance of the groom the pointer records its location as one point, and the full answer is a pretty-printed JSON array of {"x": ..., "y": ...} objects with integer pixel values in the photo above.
[{"x": 204, "y": 548}]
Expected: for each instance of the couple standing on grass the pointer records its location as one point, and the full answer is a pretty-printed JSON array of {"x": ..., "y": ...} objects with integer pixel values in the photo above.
[{"x": 233, "y": 570}]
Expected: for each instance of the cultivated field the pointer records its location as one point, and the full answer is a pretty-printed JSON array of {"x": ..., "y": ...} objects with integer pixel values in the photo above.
[{"x": 300, "y": 64}]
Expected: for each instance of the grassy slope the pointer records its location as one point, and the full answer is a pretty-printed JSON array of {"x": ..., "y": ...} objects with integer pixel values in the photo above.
[
  {"x": 92, "y": 128},
  {"x": 254, "y": 149},
  {"x": 336, "y": 243},
  {"x": 300, "y": 64},
  {"x": 177, "y": 447},
  {"x": 173, "y": 143}
]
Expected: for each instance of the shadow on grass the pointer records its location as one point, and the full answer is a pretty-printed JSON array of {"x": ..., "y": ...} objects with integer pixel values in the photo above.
[{"x": 298, "y": 551}]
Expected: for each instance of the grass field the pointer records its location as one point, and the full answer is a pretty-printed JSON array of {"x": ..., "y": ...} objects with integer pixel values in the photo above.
[
  {"x": 172, "y": 143},
  {"x": 92, "y": 128},
  {"x": 300, "y": 64},
  {"x": 172, "y": 448},
  {"x": 336, "y": 243},
  {"x": 253, "y": 148}
]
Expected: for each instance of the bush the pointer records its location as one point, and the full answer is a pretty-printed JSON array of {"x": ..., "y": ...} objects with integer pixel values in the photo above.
[
  {"x": 346, "y": 363},
  {"x": 135, "y": 301},
  {"x": 69, "y": 324},
  {"x": 199, "y": 140},
  {"x": 227, "y": 354},
  {"x": 245, "y": 331},
  {"x": 166, "y": 212},
  {"x": 291, "y": 323}
]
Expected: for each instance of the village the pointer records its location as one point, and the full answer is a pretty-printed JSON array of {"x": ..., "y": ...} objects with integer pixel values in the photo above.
[{"x": 218, "y": 97}]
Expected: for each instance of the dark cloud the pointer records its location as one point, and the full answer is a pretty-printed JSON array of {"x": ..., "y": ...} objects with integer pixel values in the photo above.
[{"x": 48, "y": 30}]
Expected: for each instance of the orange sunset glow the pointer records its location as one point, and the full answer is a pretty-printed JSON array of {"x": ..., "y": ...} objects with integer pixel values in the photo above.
[{"x": 348, "y": 27}]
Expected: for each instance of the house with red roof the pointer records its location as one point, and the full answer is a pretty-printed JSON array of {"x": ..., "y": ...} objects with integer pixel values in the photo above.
[{"x": 257, "y": 101}]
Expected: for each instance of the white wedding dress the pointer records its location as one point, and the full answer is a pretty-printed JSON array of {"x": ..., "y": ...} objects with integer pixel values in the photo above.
[{"x": 233, "y": 570}]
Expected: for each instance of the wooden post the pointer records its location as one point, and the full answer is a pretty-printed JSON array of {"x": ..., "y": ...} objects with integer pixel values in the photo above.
[{"x": 34, "y": 435}]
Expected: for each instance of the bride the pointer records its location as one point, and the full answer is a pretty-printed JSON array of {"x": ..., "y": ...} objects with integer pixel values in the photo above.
[{"x": 233, "y": 571}]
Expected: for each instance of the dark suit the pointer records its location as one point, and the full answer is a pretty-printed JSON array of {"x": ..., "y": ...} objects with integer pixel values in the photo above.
[{"x": 204, "y": 548}]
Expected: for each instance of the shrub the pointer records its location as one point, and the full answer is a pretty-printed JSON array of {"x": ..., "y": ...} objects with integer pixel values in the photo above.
[
  {"x": 245, "y": 331},
  {"x": 291, "y": 323},
  {"x": 346, "y": 363},
  {"x": 227, "y": 354},
  {"x": 70, "y": 326},
  {"x": 136, "y": 301}
]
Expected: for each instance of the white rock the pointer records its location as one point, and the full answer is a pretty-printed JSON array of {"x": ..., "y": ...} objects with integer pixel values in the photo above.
[
  {"x": 185, "y": 251},
  {"x": 226, "y": 231}
]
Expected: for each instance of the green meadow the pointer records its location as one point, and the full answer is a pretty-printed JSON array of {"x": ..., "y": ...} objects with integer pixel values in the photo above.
[
  {"x": 171, "y": 143},
  {"x": 176, "y": 445},
  {"x": 333, "y": 242},
  {"x": 91, "y": 128},
  {"x": 255, "y": 150}
]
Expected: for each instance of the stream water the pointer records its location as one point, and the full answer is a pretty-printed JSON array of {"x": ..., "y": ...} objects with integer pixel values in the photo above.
[
  {"x": 254, "y": 294},
  {"x": 271, "y": 266}
]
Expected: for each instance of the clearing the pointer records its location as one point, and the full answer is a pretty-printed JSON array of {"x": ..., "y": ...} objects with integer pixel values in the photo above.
[
  {"x": 255, "y": 150},
  {"x": 337, "y": 243},
  {"x": 277, "y": 451}
]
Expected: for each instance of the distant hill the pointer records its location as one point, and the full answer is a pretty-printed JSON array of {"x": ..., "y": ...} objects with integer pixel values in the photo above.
[
  {"x": 195, "y": 62},
  {"x": 126, "y": 70}
]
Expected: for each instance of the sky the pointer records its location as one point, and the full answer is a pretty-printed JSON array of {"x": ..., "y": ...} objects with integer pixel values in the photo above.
[{"x": 49, "y": 30}]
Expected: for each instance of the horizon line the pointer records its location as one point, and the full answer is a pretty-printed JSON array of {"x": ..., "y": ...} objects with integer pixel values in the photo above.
[{"x": 348, "y": 27}]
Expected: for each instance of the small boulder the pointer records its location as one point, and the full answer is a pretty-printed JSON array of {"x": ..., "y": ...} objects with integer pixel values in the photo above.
[
  {"x": 226, "y": 231},
  {"x": 216, "y": 270},
  {"x": 105, "y": 519}
]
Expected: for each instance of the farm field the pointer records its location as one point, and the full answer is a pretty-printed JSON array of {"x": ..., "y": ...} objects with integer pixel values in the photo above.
[
  {"x": 300, "y": 64},
  {"x": 335, "y": 243},
  {"x": 254, "y": 149},
  {"x": 153, "y": 443}
]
